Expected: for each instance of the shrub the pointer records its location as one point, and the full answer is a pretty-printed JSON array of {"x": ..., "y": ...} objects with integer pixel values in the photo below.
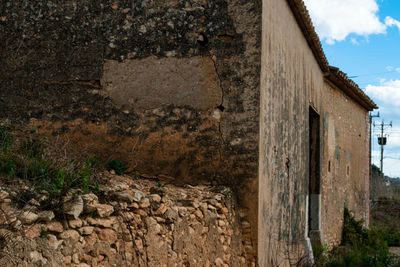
[
  {"x": 118, "y": 166},
  {"x": 5, "y": 136},
  {"x": 360, "y": 247},
  {"x": 28, "y": 162}
]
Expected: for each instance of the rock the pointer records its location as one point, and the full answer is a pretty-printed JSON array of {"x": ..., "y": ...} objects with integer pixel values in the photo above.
[
  {"x": 75, "y": 258},
  {"x": 107, "y": 235},
  {"x": 134, "y": 205},
  {"x": 104, "y": 210},
  {"x": 28, "y": 217},
  {"x": 170, "y": 215},
  {"x": 3, "y": 194},
  {"x": 225, "y": 210},
  {"x": 152, "y": 225},
  {"x": 144, "y": 203},
  {"x": 37, "y": 257},
  {"x": 117, "y": 186},
  {"x": 46, "y": 216},
  {"x": 70, "y": 234},
  {"x": 219, "y": 262},
  {"x": 130, "y": 195},
  {"x": 88, "y": 201},
  {"x": 161, "y": 210},
  {"x": 86, "y": 230},
  {"x": 160, "y": 220},
  {"x": 34, "y": 202},
  {"x": 245, "y": 225},
  {"x": 76, "y": 223},
  {"x": 74, "y": 206},
  {"x": 55, "y": 227},
  {"x": 54, "y": 243},
  {"x": 158, "y": 190},
  {"x": 34, "y": 231},
  {"x": 198, "y": 214},
  {"x": 107, "y": 223},
  {"x": 150, "y": 221},
  {"x": 182, "y": 211},
  {"x": 155, "y": 197},
  {"x": 67, "y": 259},
  {"x": 16, "y": 225}
]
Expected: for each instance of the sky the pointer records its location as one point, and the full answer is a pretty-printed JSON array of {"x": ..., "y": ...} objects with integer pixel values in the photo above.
[{"x": 362, "y": 38}]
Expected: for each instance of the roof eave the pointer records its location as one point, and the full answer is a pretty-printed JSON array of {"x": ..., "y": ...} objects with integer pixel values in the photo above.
[{"x": 350, "y": 88}]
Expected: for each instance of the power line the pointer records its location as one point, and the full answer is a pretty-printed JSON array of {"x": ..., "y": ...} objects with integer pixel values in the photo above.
[{"x": 371, "y": 74}]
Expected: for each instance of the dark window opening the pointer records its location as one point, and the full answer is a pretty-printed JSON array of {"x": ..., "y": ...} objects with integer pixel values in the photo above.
[{"x": 314, "y": 171}]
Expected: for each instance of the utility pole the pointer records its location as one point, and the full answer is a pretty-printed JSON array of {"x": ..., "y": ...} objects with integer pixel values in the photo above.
[
  {"x": 382, "y": 140},
  {"x": 371, "y": 117}
]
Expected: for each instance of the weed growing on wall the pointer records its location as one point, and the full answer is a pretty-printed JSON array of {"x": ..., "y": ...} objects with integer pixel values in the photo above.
[
  {"x": 360, "y": 247},
  {"x": 27, "y": 161}
]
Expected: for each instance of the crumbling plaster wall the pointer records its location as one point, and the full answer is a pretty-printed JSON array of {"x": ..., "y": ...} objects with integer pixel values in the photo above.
[
  {"x": 171, "y": 87},
  {"x": 291, "y": 81},
  {"x": 345, "y": 149}
]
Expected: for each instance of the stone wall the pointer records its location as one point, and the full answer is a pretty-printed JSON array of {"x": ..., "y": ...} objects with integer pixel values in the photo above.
[
  {"x": 171, "y": 87},
  {"x": 133, "y": 223},
  {"x": 345, "y": 162}
]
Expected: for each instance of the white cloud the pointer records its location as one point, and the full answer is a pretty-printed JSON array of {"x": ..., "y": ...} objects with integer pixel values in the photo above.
[
  {"x": 389, "y": 21},
  {"x": 336, "y": 19},
  {"x": 354, "y": 41},
  {"x": 387, "y": 93}
]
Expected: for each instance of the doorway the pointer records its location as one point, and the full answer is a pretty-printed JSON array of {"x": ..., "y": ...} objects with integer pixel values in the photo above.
[{"x": 314, "y": 190}]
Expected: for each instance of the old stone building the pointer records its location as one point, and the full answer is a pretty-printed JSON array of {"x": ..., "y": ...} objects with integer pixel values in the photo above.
[{"x": 198, "y": 91}]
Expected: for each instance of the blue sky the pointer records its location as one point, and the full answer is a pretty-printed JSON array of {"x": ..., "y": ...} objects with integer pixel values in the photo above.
[{"x": 362, "y": 38}]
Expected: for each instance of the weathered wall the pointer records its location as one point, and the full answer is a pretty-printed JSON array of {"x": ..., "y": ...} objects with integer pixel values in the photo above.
[
  {"x": 291, "y": 81},
  {"x": 344, "y": 136},
  {"x": 171, "y": 87}
]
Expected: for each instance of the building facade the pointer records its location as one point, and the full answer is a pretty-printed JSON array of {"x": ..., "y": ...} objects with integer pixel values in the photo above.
[{"x": 220, "y": 92}]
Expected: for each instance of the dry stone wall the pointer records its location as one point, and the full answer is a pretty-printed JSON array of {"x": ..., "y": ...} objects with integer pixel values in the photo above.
[{"x": 134, "y": 223}]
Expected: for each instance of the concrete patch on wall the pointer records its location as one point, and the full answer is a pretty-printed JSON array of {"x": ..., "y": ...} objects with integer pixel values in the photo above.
[{"x": 153, "y": 82}]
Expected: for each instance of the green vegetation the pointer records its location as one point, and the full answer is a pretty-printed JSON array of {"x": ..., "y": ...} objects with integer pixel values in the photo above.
[
  {"x": 360, "y": 247},
  {"x": 5, "y": 136},
  {"x": 118, "y": 166},
  {"x": 27, "y": 161}
]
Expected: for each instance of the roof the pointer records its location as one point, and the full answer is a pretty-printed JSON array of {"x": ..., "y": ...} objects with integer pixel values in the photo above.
[{"x": 333, "y": 74}]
